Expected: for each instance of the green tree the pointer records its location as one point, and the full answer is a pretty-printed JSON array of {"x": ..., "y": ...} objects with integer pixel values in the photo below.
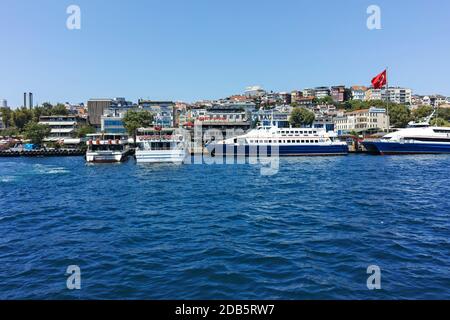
[
  {"x": 59, "y": 110},
  {"x": 36, "y": 132},
  {"x": 444, "y": 113},
  {"x": 9, "y": 132},
  {"x": 21, "y": 117},
  {"x": 325, "y": 100},
  {"x": 439, "y": 122},
  {"x": 422, "y": 112},
  {"x": 135, "y": 119},
  {"x": 84, "y": 130},
  {"x": 400, "y": 115},
  {"x": 6, "y": 114},
  {"x": 301, "y": 117}
]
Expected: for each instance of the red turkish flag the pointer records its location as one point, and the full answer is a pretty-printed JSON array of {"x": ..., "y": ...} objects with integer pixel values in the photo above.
[{"x": 380, "y": 80}]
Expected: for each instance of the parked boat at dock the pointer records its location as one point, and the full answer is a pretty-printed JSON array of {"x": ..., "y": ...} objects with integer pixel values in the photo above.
[
  {"x": 158, "y": 145},
  {"x": 107, "y": 148},
  {"x": 281, "y": 141},
  {"x": 418, "y": 138}
]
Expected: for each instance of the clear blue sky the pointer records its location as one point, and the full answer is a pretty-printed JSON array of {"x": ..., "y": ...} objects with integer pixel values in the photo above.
[{"x": 195, "y": 49}]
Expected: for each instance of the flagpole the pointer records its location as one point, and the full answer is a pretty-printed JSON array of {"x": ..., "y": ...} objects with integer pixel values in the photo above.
[{"x": 387, "y": 99}]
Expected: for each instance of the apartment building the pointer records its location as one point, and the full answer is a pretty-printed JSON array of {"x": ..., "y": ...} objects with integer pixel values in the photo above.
[{"x": 373, "y": 119}]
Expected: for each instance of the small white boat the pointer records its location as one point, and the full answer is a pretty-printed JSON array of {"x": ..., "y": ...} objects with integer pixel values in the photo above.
[
  {"x": 158, "y": 145},
  {"x": 106, "y": 148}
]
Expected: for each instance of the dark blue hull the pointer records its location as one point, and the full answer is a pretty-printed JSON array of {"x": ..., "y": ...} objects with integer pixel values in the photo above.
[
  {"x": 285, "y": 151},
  {"x": 386, "y": 148}
]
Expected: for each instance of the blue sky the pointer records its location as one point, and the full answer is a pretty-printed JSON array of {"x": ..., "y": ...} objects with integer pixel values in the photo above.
[{"x": 200, "y": 49}]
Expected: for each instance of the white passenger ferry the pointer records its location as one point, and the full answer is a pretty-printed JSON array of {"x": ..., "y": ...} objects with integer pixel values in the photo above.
[
  {"x": 106, "y": 148},
  {"x": 283, "y": 141},
  {"x": 158, "y": 145}
]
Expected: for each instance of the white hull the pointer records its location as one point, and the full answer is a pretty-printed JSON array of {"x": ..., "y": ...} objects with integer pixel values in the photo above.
[
  {"x": 160, "y": 156},
  {"x": 106, "y": 156}
]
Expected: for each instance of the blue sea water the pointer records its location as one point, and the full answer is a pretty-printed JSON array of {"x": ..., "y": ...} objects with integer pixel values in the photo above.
[{"x": 226, "y": 231}]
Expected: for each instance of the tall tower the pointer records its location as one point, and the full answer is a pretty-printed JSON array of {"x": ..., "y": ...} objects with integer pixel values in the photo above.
[
  {"x": 31, "y": 99},
  {"x": 24, "y": 99}
]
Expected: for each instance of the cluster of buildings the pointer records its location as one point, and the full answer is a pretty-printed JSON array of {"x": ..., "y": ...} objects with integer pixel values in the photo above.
[{"x": 255, "y": 106}]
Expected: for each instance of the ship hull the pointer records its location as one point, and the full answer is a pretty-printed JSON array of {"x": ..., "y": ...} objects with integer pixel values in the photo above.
[
  {"x": 284, "y": 151},
  {"x": 173, "y": 156},
  {"x": 394, "y": 148},
  {"x": 112, "y": 157}
]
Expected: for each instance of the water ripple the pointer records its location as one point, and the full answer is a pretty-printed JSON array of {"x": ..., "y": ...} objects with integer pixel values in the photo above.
[{"x": 226, "y": 232}]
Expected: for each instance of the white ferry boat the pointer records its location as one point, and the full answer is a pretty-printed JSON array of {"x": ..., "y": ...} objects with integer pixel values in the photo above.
[
  {"x": 418, "y": 138},
  {"x": 282, "y": 141},
  {"x": 158, "y": 145},
  {"x": 107, "y": 148}
]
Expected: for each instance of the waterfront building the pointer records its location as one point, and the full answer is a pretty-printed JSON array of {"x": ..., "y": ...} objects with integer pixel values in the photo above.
[
  {"x": 338, "y": 93},
  {"x": 367, "y": 120},
  {"x": 358, "y": 93},
  {"x": 322, "y": 92},
  {"x": 163, "y": 112},
  {"x": 63, "y": 128},
  {"x": 324, "y": 116},
  {"x": 96, "y": 108},
  {"x": 224, "y": 118},
  {"x": 273, "y": 117},
  {"x": 112, "y": 121},
  {"x": 247, "y": 106}
]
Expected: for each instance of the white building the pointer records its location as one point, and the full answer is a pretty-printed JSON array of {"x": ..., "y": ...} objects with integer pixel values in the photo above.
[
  {"x": 398, "y": 95},
  {"x": 4, "y": 103},
  {"x": 63, "y": 128},
  {"x": 373, "y": 119}
]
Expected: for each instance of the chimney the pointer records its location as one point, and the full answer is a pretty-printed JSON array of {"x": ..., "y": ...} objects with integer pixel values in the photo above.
[
  {"x": 25, "y": 99},
  {"x": 31, "y": 100}
]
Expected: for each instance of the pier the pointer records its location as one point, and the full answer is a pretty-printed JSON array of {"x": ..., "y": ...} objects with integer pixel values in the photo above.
[{"x": 42, "y": 153}]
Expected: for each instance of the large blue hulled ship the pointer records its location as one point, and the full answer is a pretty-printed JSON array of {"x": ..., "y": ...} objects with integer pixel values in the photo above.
[
  {"x": 418, "y": 138},
  {"x": 426, "y": 140},
  {"x": 274, "y": 141}
]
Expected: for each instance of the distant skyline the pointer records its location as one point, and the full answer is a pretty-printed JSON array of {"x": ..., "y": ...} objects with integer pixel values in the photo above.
[{"x": 194, "y": 50}]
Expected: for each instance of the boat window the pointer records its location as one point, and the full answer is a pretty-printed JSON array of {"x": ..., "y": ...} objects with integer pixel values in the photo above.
[{"x": 317, "y": 141}]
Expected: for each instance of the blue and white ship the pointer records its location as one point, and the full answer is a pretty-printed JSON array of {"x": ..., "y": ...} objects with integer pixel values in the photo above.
[
  {"x": 418, "y": 138},
  {"x": 281, "y": 141}
]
